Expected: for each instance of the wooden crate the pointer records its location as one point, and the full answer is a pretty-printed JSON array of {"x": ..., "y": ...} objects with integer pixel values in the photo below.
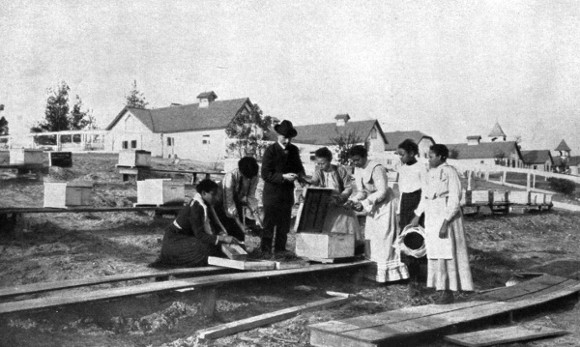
[
  {"x": 134, "y": 158},
  {"x": 160, "y": 192},
  {"x": 23, "y": 156},
  {"x": 235, "y": 252},
  {"x": 61, "y": 195},
  {"x": 537, "y": 198},
  {"x": 499, "y": 197},
  {"x": 60, "y": 159},
  {"x": 324, "y": 245},
  {"x": 548, "y": 199},
  {"x": 480, "y": 197},
  {"x": 519, "y": 197}
]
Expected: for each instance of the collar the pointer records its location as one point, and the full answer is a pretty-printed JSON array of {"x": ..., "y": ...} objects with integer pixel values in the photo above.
[{"x": 283, "y": 148}]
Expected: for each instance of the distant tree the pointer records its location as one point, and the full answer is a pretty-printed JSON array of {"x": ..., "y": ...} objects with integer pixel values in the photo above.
[
  {"x": 57, "y": 108},
  {"x": 3, "y": 126},
  {"x": 247, "y": 129},
  {"x": 78, "y": 119},
  {"x": 344, "y": 141},
  {"x": 135, "y": 98},
  {"x": 500, "y": 158}
]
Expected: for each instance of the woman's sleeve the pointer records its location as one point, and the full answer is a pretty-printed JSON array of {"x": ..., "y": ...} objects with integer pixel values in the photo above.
[
  {"x": 346, "y": 182},
  {"x": 454, "y": 193},
  {"x": 197, "y": 219},
  {"x": 380, "y": 181},
  {"x": 229, "y": 188},
  {"x": 252, "y": 200},
  {"x": 315, "y": 180}
]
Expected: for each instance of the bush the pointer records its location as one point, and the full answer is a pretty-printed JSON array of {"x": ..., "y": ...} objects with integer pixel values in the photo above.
[{"x": 562, "y": 185}]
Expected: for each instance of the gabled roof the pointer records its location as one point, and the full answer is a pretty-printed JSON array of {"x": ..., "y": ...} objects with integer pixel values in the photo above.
[
  {"x": 497, "y": 131},
  {"x": 563, "y": 146},
  {"x": 537, "y": 157},
  {"x": 396, "y": 137},
  {"x": 485, "y": 150},
  {"x": 216, "y": 115},
  {"x": 322, "y": 134}
]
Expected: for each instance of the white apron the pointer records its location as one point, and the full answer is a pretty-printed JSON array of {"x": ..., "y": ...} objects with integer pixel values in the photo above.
[{"x": 436, "y": 247}]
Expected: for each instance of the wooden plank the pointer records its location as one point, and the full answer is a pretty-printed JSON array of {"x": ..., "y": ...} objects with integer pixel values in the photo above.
[
  {"x": 33, "y": 288},
  {"x": 246, "y": 265},
  {"x": 23, "y": 210},
  {"x": 268, "y": 318},
  {"x": 61, "y": 299},
  {"x": 496, "y": 336},
  {"x": 297, "y": 264},
  {"x": 234, "y": 252}
]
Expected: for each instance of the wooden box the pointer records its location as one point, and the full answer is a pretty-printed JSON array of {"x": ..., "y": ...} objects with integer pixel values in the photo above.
[
  {"x": 61, "y": 195},
  {"x": 235, "y": 252},
  {"x": 519, "y": 197},
  {"x": 311, "y": 240},
  {"x": 480, "y": 197},
  {"x": 465, "y": 198},
  {"x": 537, "y": 198},
  {"x": 499, "y": 197},
  {"x": 134, "y": 158},
  {"x": 160, "y": 192},
  {"x": 23, "y": 156},
  {"x": 60, "y": 159},
  {"x": 548, "y": 199}
]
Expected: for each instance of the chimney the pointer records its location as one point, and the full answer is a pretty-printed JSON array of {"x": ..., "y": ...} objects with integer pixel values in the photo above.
[
  {"x": 174, "y": 104},
  {"x": 206, "y": 98},
  {"x": 341, "y": 119},
  {"x": 473, "y": 140}
]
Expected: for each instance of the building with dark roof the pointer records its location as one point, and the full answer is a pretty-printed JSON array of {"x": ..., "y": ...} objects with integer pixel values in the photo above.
[
  {"x": 194, "y": 131},
  {"x": 476, "y": 153},
  {"x": 538, "y": 160}
]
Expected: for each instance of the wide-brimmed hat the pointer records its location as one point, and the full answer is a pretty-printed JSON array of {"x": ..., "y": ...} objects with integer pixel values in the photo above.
[{"x": 286, "y": 129}]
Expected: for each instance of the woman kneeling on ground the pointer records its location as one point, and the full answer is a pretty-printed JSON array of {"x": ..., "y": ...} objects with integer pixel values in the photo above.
[{"x": 192, "y": 236}]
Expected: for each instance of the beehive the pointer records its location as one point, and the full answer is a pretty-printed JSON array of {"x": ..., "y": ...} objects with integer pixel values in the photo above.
[
  {"x": 480, "y": 196},
  {"x": 160, "y": 192},
  {"x": 548, "y": 199},
  {"x": 61, "y": 195},
  {"x": 134, "y": 158},
  {"x": 311, "y": 240},
  {"x": 500, "y": 197},
  {"x": 519, "y": 197},
  {"x": 537, "y": 198},
  {"x": 23, "y": 156}
]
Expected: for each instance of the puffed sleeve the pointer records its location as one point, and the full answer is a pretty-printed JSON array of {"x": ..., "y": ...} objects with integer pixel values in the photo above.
[
  {"x": 380, "y": 181},
  {"x": 346, "y": 179},
  {"x": 252, "y": 200},
  {"x": 269, "y": 173},
  {"x": 316, "y": 179},
  {"x": 454, "y": 196},
  {"x": 229, "y": 185},
  {"x": 197, "y": 219}
]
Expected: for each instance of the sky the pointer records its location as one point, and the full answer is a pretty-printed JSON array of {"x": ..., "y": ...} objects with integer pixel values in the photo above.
[{"x": 447, "y": 68}]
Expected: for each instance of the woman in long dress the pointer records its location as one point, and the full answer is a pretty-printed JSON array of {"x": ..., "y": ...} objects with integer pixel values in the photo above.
[
  {"x": 447, "y": 259},
  {"x": 196, "y": 232},
  {"x": 380, "y": 203},
  {"x": 339, "y": 219}
]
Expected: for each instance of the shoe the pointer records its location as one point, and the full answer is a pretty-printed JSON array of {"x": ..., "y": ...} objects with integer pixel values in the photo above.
[{"x": 444, "y": 298}]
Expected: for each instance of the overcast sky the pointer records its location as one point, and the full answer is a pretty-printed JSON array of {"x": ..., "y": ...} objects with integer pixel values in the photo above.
[{"x": 447, "y": 68}]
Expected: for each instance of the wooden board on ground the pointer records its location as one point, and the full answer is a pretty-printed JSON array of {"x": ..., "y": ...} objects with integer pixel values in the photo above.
[
  {"x": 246, "y": 265},
  {"x": 267, "y": 318},
  {"x": 404, "y": 324},
  {"x": 294, "y": 264},
  {"x": 496, "y": 336},
  {"x": 61, "y": 299},
  {"x": 34, "y": 288},
  {"x": 235, "y": 252}
]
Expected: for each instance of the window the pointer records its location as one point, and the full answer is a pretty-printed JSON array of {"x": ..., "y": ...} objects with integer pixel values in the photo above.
[
  {"x": 205, "y": 140},
  {"x": 389, "y": 162},
  {"x": 374, "y": 133},
  {"x": 125, "y": 144},
  {"x": 312, "y": 156},
  {"x": 134, "y": 144},
  {"x": 170, "y": 141}
]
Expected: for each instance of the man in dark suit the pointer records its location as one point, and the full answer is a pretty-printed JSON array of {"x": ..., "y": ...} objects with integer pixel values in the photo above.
[{"x": 281, "y": 166}]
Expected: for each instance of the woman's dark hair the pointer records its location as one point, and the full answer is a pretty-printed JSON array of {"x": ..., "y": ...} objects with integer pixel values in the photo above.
[
  {"x": 409, "y": 146},
  {"x": 358, "y": 150},
  {"x": 440, "y": 150},
  {"x": 206, "y": 186},
  {"x": 248, "y": 167},
  {"x": 323, "y": 153}
]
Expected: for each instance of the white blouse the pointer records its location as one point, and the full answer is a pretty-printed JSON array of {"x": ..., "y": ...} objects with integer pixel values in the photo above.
[{"x": 412, "y": 177}]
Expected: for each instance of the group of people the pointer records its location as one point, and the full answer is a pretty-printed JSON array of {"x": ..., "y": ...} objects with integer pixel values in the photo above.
[{"x": 429, "y": 198}]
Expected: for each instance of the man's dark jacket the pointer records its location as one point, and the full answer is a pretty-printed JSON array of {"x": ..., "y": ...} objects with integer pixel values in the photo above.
[{"x": 276, "y": 162}]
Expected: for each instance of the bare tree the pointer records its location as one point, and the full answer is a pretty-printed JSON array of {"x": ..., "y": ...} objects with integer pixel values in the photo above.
[{"x": 344, "y": 141}]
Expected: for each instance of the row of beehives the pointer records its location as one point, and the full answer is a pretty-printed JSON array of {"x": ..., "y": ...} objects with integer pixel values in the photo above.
[
  {"x": 491, "y": 197},
  {"x": 149, "y": 192},
  {"x": 22, "y": 156}
]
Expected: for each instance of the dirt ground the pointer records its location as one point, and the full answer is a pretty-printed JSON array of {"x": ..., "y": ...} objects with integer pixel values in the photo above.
[{"x": 53, "y": 247}]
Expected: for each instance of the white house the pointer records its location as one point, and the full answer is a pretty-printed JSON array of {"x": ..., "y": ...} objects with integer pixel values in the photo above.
[
  {"x": 423, "y": 141},
  {"x": 194, "y": 131}
]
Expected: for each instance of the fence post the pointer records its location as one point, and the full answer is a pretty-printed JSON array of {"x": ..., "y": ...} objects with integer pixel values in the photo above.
[
  {"x": 528, "y": 183},
  {"x": 469, "y": 175},
  {"x": 533, "y": 181},
  {"x": 504, "y": 177}
]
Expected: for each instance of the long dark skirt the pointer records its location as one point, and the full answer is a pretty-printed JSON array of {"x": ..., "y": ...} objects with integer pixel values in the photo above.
[
  {"x": 409, "y": 203},
  {"x": 180, "y": 250}
]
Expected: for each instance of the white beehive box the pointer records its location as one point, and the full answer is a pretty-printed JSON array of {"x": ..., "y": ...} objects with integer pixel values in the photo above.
[
  {"x": 500, "y": 197},
  {"x": 519, "y": 197},
  {"x": 548, "y": 199},
  {"x": 480, "y": 196},
  {"x": 312, "y": 241},
  {"x": 134, "y": 158},
  {"x": 463, "y": 200},
  {"x": 537, "y": 198},
  {"x": 160, "y": 192},
  {"x": 61, "y": 195},
  {"x": 23, "y": 156}
]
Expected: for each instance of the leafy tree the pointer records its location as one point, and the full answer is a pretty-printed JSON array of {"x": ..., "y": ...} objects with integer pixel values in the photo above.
[
  {"x": 57, "y": 108},
  {"x": 135, "y": 98},
  {"x": 344, "y": 141},
  {"x": 247, "y": 129},
  {"x": 78, "y": 119},
  {"x": 3, "y": 126}
]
